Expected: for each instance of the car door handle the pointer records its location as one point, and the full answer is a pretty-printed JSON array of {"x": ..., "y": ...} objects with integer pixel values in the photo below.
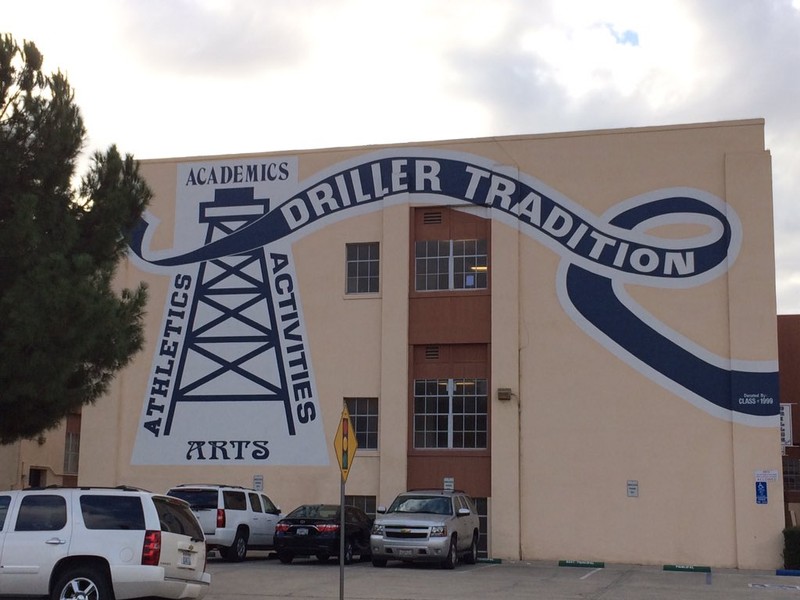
[{"x": 55, "y": 541}]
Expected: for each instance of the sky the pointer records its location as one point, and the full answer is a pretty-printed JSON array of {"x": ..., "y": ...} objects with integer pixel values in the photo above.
[{"x": 170, "y": 78}]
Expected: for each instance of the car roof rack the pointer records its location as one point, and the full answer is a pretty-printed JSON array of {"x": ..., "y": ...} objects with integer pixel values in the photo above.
[
  {"x": 226, "y": 485},
  {"x": 428, "y": 489},
  {"x": 55, "y": 486}
]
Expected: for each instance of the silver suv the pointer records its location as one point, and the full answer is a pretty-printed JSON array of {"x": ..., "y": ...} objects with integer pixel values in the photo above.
[
  {"x": 234, "y": 519},
  {"x": 426, "y": 525},
  {"x": 99, "y": 544}
]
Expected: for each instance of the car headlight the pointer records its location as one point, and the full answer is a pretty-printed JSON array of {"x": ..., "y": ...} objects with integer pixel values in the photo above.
[
  {"x": 377, "y": 529},
  {"x": 439, "y": 531}
]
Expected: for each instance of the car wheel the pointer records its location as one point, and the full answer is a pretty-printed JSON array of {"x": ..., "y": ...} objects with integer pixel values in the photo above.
[
  {"x": 85, "y": 583},
  {"x": 452, "y": 556},
  {"x": 348, "y": 552},
  {"x": 237, "y": 551},
  {"x": 285, "y": 557},
  {"x": 471, "y": 557},
  {"x": 323, "y": 557},
  {"x": 379, "y": 562}
]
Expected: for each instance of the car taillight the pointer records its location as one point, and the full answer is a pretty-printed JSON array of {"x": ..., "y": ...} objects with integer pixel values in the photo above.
[
  {"x": 327, "y": 528},
  {"x": 220, "y": 517},
  {"x": 151, "y": 550},
  {"x": 282, "y": 527}
]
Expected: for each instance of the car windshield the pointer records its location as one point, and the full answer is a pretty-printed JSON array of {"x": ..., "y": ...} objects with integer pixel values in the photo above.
[
  {"x": 435, "y": 505},
  {"x": 315, "y": 511}
]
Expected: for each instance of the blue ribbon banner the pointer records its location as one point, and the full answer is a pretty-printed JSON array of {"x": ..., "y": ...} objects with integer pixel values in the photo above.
[{"x": 599, "y": 256}]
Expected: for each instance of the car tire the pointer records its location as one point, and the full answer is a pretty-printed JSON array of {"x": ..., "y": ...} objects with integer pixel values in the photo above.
[
  {"x": 285, "y": 557},
  {"x": 237, "y": 551},
  {"x": 379, "y": 562},
  {"x": 471, "y": 557},
  {"x": 451, "y": 560},
  {"x": 84, "y": 583}
]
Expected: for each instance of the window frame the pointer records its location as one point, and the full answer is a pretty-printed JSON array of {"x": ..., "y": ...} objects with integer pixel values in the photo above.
[
  {"x": 72, "y": 449},
  {"x": 112, "y": 512},
  {"x": 448, "y": 413},
  {"x": 363, "y": 420},
  {"x": 34, "y": 508},
  {"x": 362, "y": 270},
  {"x": 448, "y": 265}
]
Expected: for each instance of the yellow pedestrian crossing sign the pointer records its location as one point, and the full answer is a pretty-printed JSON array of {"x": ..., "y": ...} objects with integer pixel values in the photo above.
[{"x": 345, "y": 443}]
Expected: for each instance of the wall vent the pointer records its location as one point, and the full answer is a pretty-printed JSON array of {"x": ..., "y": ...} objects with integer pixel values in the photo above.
[
  {"x": 431, "y": 352},
  {"x": 432, "y": 217}
]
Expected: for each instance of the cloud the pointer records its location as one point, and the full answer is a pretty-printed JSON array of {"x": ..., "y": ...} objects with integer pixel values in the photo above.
[
  {"x": 221, "y": 39},
  {"x": 189, "y": 77}
]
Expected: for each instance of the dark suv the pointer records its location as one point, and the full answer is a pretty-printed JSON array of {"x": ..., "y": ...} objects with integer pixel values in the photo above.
[{"x": 426, "y": 525}]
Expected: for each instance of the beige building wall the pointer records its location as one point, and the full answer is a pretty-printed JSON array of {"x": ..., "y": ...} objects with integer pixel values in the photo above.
[
  {"x": 44, "y": 453},
  {"x": 582, "y": 427}
]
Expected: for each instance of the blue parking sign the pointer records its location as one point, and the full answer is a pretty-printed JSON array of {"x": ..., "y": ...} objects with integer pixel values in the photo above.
[{"x": 761, "y": 492}]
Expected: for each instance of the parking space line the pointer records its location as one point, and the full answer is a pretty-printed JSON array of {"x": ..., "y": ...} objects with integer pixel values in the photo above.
[{"x": 590, "y": 573}]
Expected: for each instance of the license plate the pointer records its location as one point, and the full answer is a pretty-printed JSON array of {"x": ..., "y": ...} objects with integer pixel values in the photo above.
[
  {"x": 405, "y": 552},
  {"x": 302, "y": 531},
  {"x": 186, "y": 559}
]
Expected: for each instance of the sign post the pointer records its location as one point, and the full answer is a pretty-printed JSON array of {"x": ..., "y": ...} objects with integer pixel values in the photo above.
[{"x": 345, "y": 445}]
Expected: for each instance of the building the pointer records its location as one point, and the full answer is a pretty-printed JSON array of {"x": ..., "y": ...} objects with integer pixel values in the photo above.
[
  {"x": 51, "y": 458},
  {"x": 788, "y": 355},
  {"x": 578, "y": 329}
]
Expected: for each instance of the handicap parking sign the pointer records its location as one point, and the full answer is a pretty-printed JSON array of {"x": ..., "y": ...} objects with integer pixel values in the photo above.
[{"x": 761, "y": 492}]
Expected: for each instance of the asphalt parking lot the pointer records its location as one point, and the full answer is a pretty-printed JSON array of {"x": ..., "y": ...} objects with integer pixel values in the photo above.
[{"x": 261, "y": 576}]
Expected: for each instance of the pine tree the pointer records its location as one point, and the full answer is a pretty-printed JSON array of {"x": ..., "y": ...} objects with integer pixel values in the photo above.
[{"x": 64, "y": 330}]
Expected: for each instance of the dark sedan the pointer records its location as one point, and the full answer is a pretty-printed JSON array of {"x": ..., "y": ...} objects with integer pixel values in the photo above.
[{"x": 313, "y": 530}]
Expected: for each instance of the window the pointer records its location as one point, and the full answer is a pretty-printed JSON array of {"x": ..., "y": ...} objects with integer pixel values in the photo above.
[
  {"x": 791, "y": 474},
  {"x": 255, "y": 502},
  {"x": 269, "y": 506},
  {"x": 482, "y": 508},
  {"x": 786, "y": 425},
  {"x": 72, "y": 446},
  {"x": 37, "y": 478},
  {"x": 363, "y": 268},
  {"x": 42, "y": 513},
  {"x": 364, "y": 417},
  {"x": 450, "y": 413},
  {"x": 450, "y": 265},
  {"x": 112, "y": 512},
  {"x": 197, "y": 499},
  {"x": 4, "y": 502},
  {"x": 365, "y": 503},
  {"x": 234, "y": 500},
  {"x": 176, "y": 517}
]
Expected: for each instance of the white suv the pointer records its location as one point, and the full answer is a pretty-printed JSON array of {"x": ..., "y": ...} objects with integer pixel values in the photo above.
[
  {"x": 99, "y": 544},
  {"x": 234, "y": 519}
]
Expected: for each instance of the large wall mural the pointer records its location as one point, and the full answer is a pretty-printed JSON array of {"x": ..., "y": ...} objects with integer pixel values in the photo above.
[{"x": 232, "y": 379}]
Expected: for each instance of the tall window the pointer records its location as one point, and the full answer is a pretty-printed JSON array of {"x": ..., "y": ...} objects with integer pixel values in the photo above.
[
  {"x": 363, "y": 268},
  {"x": 791, "y": 474},
  {"x": 451, "y": 265},
  {"x": 364, "y": 416},
  {"x": 450, "y": 413},
  {"x": 72, "y": 446}
]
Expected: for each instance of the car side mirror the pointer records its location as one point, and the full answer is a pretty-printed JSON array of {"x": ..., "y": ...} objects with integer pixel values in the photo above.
[
  {"x": 382, "y": 510},
  {"x": 463, "y": 512}
]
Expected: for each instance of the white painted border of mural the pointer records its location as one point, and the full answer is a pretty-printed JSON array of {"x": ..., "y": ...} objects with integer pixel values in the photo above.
[{"x": 232, "y": 381}]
